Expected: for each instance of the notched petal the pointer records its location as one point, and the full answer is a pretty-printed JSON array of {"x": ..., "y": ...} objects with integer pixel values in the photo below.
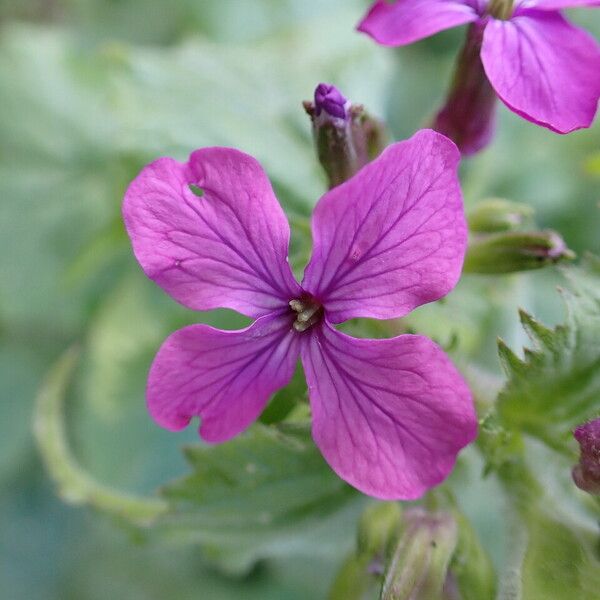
[
  {"x": 224, "y": 377},
  {"x": 211, "y": 233},
  {"x": 389, "y": 415}
]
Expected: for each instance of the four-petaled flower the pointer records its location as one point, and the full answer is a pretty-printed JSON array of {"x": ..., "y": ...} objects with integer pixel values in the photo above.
[
  {"x": 388, "y": 415},
  {"x": 541, "y": 66}
]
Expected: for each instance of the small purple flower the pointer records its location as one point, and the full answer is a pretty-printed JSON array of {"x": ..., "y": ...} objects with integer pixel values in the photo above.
[
  {"x": 587, "y": 473},
  {"x": 541, "y": 66},
  {"x": 388, "y": 415}
]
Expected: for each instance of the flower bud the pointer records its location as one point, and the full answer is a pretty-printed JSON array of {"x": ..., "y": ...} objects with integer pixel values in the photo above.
[
  {"x": 513, "y": 251},
  {"x": 329, "y": 99},
  {"x": 495, "y": 214},
  {"x": 346, "y": 136},
  {"x": 468, "y": 117},
  {"x": 586, "y": 474},
  {"x": 418, "y": 569}
]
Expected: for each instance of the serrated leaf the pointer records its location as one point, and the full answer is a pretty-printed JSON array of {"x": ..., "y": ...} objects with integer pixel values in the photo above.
[
  {"x": 557, "y": 383},
  {"x": 266, "y": 493}
]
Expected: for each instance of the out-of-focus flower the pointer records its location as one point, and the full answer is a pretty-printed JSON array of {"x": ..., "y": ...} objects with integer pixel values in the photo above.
[
  {"x": 346, "y": 136},
  {"x": 587, "y": 473},
  {"x": 388, "y": 415},
  {"x": 541, "y": 66}
]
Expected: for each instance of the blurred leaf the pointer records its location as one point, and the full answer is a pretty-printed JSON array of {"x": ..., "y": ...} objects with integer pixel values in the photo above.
[
  {"x": 74, "y": 485},
  {"x": 471, "y": 566},
  {"x": 557, "y": 383},
  {"x": 592, "y": 165},
  {"x": 265, "y": 493},
  {"x": 555, "y": 564}
]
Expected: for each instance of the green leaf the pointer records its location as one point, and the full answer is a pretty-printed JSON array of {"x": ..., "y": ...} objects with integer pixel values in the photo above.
[
  {"x": 265, "y": 493},
  {"x": 555, "y": 563},
  {"x": 556, "y": 384},
  {"x": 74, "y": 484},
  {"x": 471, "y": 565}
]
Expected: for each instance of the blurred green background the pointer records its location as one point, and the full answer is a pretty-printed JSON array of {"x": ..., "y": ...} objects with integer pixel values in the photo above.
[{"x": 90, "y": 91}]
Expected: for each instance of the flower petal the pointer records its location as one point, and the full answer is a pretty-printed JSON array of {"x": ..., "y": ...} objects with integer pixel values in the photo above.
[
  {"x": 557, "y": 4},
  {"x": 407, "y": 21},
  {"x": 225, "y": 377},
  {"x": 222, "y": 242},
  {"x": 544, "y": 69},
  {"x": 389, "y": 415},
  {"x": 394, "y": 236}
]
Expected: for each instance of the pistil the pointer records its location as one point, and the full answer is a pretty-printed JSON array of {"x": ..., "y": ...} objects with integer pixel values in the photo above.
[{"x": 501, "y": 9}]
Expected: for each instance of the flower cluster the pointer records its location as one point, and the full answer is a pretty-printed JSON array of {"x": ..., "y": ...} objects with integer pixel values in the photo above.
[
  {"x": 524, "y": 52},
  {"x": 388, "y": 415}
]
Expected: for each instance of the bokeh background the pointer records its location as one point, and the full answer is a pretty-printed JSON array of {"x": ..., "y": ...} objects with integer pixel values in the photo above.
[{"x": 90, "y": 91}]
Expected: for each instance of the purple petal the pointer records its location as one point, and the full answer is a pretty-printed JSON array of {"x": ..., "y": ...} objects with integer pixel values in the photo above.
[
  {"x": 389, "y": 415},
  {"x": 557, "y": 4},
  {"x": 407, "y": 21},
  {"x": 544, "y": 69},
  {"x": 394, "y": 236},
  {"x": 225, "y": 377},
  {"x": 222, "y": 243}
]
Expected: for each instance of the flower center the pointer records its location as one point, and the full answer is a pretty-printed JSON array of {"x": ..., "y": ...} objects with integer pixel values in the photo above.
[
  {"x": 308, "y": 312},
  {"x": 501, "y": 9}
]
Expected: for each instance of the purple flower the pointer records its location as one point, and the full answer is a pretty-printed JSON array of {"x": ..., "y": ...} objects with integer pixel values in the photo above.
[
  {"x": 388, "y": 415},
  {"x": 541, "y": 66},
  {"x": 587, "y": 473}
]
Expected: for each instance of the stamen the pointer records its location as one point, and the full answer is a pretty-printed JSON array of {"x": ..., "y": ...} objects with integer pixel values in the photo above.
[
  {"x": 297, "y": 306},
  {"x": 309, "y": 312}
]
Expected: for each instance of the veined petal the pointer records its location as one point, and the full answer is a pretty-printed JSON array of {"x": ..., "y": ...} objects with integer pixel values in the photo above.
[
  {"x": 544, "y": 69},
  {"x": 406, "y": 21},
  {"x": 222, "y": 242},
  {"x": 392, "y": 237},
  {"x": 224, "y": 377},
  {"x": 389, "y": 415},
  {"x": 557, "y": 4}
]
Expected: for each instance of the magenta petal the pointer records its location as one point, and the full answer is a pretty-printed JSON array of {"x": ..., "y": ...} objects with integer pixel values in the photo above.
[
  {"x": 557, "y": 4},
  {"x": 406, "y": 21},
  {"x": 389, "y": 415},
  {"x": 394, "y": 236},
  {"x": 544, "y": 69},
  {"x": 225, "y": 377},
  {"x": 222, "y": 243}
]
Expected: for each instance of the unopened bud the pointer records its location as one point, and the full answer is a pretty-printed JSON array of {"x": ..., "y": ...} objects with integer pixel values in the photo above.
[
  {"x": 495, "y": 214},
  {"x": 346, "y": 136},
  {"x": 514, "y": 251},
  {"x": 330, "y": 100},
  {"x": 586, "y": 474},
  {"x": 418, "y": 569}
]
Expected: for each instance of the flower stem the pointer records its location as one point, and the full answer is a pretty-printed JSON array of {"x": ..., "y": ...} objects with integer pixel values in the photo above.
[{"x": 468, "y": 117}]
